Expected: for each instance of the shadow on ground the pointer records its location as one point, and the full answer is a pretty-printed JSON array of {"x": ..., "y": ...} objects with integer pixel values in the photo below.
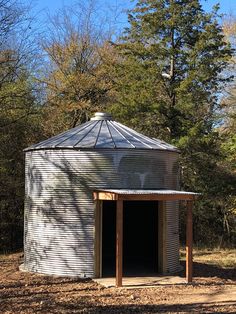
[
  {"x": 175, "y": 308},
  {"x": 207, "y": 271}
]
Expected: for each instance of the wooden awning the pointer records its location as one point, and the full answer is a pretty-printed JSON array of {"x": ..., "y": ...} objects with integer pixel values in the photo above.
[
  {"x": 120, "y": 195},
  {"x": 149, "y": 195}
]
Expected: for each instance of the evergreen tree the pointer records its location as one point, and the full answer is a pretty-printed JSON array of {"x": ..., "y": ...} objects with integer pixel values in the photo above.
[
  {"x": 168, "y": 81},
  {"x": 173, "y": 57}
]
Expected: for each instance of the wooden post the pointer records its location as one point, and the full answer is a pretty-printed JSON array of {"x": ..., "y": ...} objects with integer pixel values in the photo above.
[
  {"x": 119, "y": 243},
  {"x": 189, "y": 242}
]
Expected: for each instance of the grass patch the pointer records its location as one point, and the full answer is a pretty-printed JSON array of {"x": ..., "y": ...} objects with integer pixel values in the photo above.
[{"x": 224, "y": 258}]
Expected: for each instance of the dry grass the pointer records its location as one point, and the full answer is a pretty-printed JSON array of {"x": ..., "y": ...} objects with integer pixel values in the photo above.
[{"x": 223, "y": 258}]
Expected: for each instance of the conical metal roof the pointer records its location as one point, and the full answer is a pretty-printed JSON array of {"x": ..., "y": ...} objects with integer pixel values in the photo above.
[{"x": 102, "y": 132}]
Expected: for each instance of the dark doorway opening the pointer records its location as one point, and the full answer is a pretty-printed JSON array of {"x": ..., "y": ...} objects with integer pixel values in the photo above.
[
  {"x": 140, "y": 239},
  {"x": 108, "y": 238}
]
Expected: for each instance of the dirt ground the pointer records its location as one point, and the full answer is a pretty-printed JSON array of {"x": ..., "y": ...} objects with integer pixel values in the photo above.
[{"x": 213, "y": 291}]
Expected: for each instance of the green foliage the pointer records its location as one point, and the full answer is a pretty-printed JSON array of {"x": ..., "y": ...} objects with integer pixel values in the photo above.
[
  {"x": 173, "y": 55},
  {"x": 206, "y": 169}
]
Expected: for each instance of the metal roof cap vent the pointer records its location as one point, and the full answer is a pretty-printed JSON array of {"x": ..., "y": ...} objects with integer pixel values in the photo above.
[{"x": 102, "y": 116}]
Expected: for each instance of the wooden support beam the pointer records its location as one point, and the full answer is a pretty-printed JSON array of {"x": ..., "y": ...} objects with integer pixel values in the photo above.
[
  {"x": 189, "y": 242},
  {"x": 113, "y": 196},
  {"x": 119, "y": 243}
]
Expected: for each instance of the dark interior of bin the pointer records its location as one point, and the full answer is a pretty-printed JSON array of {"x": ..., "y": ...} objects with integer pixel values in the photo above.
[{"x": 140, "y": 238}]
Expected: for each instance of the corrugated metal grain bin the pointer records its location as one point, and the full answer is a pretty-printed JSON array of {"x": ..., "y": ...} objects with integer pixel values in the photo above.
[{"x": 61, "y": 174}]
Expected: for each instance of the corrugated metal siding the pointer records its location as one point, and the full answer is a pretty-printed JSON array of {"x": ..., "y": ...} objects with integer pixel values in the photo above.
[
  {"x": 59, "y": 208},
  {"x": 172, "y": 242}
]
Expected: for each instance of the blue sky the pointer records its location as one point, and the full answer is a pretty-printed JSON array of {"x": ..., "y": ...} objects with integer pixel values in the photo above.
[
  {"x": 51, "y": 6},
  {"x": 227, "y": 6}
]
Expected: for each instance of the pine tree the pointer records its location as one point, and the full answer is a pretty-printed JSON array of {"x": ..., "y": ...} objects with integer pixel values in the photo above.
[
  {"x": 168, "y": 82},
  {"x": 173, "y": 58}
]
